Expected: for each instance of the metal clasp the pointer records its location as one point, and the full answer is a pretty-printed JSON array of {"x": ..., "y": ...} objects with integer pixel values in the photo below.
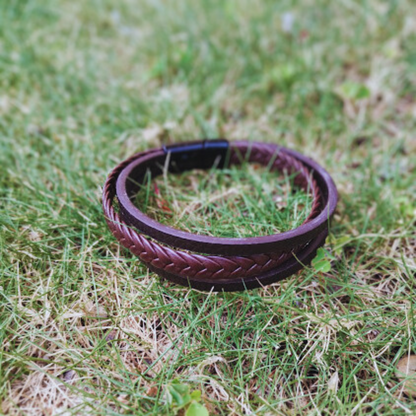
[{"x": 199, "y": 154}]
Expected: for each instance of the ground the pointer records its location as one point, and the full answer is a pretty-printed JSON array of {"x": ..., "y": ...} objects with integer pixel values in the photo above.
[{"x": 85, "y": 328}]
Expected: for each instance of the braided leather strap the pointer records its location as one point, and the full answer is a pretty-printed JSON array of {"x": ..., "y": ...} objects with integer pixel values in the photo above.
[{"x": 196, "y": 266}]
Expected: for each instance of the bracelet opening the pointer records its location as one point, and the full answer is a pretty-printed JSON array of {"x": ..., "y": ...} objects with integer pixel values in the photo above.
[{"x": 239, "y": 201}]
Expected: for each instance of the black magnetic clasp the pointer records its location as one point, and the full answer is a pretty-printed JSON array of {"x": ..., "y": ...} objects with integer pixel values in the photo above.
[{"x": 197, "y": 155}]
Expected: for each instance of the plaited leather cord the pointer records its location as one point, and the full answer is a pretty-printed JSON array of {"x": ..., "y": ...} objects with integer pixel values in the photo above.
[
  {"x": 202, "y": 267},
  {"x": 291, "y": 265}
]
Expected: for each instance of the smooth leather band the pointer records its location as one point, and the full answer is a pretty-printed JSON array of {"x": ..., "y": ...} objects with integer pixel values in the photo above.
[
  {"x": 263, "y": 153},
  {"x": 238, "y": 263}
]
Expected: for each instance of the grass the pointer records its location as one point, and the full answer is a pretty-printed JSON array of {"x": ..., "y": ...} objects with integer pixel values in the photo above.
[
  {"x": 237, "y": 202},
  {"x": 85, "y": 328}
]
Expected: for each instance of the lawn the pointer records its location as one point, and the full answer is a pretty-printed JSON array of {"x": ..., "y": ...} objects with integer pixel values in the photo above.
[{"x": 86, "y": 329}]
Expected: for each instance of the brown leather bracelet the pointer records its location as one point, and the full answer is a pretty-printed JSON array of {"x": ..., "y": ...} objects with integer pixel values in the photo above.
[{"x": 232, "y": 264}]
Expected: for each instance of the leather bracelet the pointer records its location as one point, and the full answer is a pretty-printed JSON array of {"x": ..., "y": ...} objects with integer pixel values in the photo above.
[{"x": 225, "y": 263}]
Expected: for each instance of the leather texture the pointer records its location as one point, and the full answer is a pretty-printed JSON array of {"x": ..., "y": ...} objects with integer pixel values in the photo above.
[
  {"x": 285, "y": 269},
  {"x": 310, "y": 176},
  {"x": 221, "y": 272}
]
